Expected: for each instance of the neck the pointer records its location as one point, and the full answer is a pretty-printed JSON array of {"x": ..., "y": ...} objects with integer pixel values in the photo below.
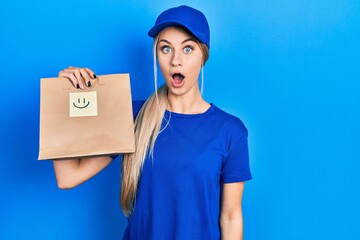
[{"x": 186, "y": 104}]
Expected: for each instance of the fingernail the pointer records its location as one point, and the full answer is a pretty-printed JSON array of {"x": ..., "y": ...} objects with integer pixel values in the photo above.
[
  {"x": 77, "y": 86},
  {"x": 94, "y": 75},
  {"x": 89, "y": 84}
]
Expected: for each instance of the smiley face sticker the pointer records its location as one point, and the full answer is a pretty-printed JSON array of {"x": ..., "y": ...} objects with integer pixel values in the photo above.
[{"x": 83, "y": 104}]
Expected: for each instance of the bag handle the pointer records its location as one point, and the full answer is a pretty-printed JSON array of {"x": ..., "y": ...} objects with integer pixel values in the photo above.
[{"x": 99, "y": 80}]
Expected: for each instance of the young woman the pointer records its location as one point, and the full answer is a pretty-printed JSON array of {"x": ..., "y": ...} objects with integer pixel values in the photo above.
[{"x": 186, "y": 177}]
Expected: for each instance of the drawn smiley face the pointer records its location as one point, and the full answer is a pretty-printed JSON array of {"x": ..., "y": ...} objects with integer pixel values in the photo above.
[{"x": 81, "y": 103}]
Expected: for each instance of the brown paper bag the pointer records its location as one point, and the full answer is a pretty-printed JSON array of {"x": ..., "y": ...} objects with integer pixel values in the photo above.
[{"x": 94, "y": 121}]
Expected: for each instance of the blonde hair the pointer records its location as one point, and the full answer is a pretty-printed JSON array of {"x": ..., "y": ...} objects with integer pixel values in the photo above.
[{"x": 147, "y": 127}]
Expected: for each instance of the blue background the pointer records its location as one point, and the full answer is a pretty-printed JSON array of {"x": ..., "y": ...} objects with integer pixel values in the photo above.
[{"x": 288, "y": 69}]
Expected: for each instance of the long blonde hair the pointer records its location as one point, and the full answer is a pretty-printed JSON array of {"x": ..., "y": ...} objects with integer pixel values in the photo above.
[{"x": 147, "y": 127}]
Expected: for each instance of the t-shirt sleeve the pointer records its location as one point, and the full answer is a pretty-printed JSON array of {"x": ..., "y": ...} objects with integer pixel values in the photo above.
[
  {"x": 136, "y": 105},
  {"x": 236, "y": 165}
]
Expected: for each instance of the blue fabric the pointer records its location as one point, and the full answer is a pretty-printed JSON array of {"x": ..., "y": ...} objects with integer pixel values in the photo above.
[
  {"x": 179, "y": 190},
  {"x": 190, "y": 18},
  {"x": 136, "y": 106}
]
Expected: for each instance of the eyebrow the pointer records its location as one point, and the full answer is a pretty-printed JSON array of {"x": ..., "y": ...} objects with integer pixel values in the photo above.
[
  {"x": 189, "y": 39},
  {"x": 186, "y": 40}
]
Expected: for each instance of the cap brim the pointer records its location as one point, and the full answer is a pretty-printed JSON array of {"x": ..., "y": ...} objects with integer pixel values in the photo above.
[{"x": 159, "y": 27}]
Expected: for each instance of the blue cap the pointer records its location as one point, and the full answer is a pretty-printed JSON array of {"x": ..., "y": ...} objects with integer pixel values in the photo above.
[{"x": 191, "y": 19}]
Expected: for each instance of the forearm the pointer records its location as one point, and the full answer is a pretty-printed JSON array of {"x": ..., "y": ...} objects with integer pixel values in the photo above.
[
  {"x": 70, "y": 173},
  {"x": 232, "y": 227}
]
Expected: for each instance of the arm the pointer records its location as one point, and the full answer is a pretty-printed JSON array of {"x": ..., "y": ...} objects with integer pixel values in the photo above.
[
  {"x": 231, "y": 219},
  {"x": 72, "y": 172}
]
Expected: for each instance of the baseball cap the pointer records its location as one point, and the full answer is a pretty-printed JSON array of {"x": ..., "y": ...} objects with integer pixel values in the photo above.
[{"x": 184, "y": 16}]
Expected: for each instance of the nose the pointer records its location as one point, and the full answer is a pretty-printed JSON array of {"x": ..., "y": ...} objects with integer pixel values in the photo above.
[{"x": 176, "y": 60}]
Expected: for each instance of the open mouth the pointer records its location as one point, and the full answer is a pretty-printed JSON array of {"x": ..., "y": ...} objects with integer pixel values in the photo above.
[{"x": 178, "y": 78}]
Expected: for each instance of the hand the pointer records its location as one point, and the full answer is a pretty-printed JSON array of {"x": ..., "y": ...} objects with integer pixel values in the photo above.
[{"x": 80, "y": 77}]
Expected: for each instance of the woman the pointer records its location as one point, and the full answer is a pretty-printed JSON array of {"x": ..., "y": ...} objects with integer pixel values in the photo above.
[{"x": 186, "y": 177}]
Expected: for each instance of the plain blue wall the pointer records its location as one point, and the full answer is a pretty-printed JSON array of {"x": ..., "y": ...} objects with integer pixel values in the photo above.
[{"x": 288, "y": 69}]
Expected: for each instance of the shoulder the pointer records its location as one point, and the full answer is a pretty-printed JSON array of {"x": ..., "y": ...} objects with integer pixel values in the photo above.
[{"x": 229, "y": 122}]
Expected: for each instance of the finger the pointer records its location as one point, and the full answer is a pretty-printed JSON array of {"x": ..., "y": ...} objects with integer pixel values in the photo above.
[
  {"x": 79, "y": 78},
  {"x": 86, "y": 77},
  {"x": 90, "y": 72},
  {"x": 70, "y": 76},
  {"x": 62, "y": 73},
  {"x": 68, "y": 70},
  {"x": 74, "y": 80}
]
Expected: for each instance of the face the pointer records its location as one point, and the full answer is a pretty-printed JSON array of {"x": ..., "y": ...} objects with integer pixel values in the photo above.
[{"x": 180, "y": 60}]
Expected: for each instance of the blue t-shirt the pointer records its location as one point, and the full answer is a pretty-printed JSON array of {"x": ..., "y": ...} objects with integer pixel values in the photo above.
[{"x": 179, "y": 190}]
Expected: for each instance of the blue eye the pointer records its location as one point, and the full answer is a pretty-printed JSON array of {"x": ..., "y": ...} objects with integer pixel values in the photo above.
[
  {"x": 188, "y": 50},
  {"x": 166, "y": 49}
]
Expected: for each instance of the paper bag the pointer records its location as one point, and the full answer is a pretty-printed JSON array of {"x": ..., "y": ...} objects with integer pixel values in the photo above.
[{"x": 97, "y": 120}]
